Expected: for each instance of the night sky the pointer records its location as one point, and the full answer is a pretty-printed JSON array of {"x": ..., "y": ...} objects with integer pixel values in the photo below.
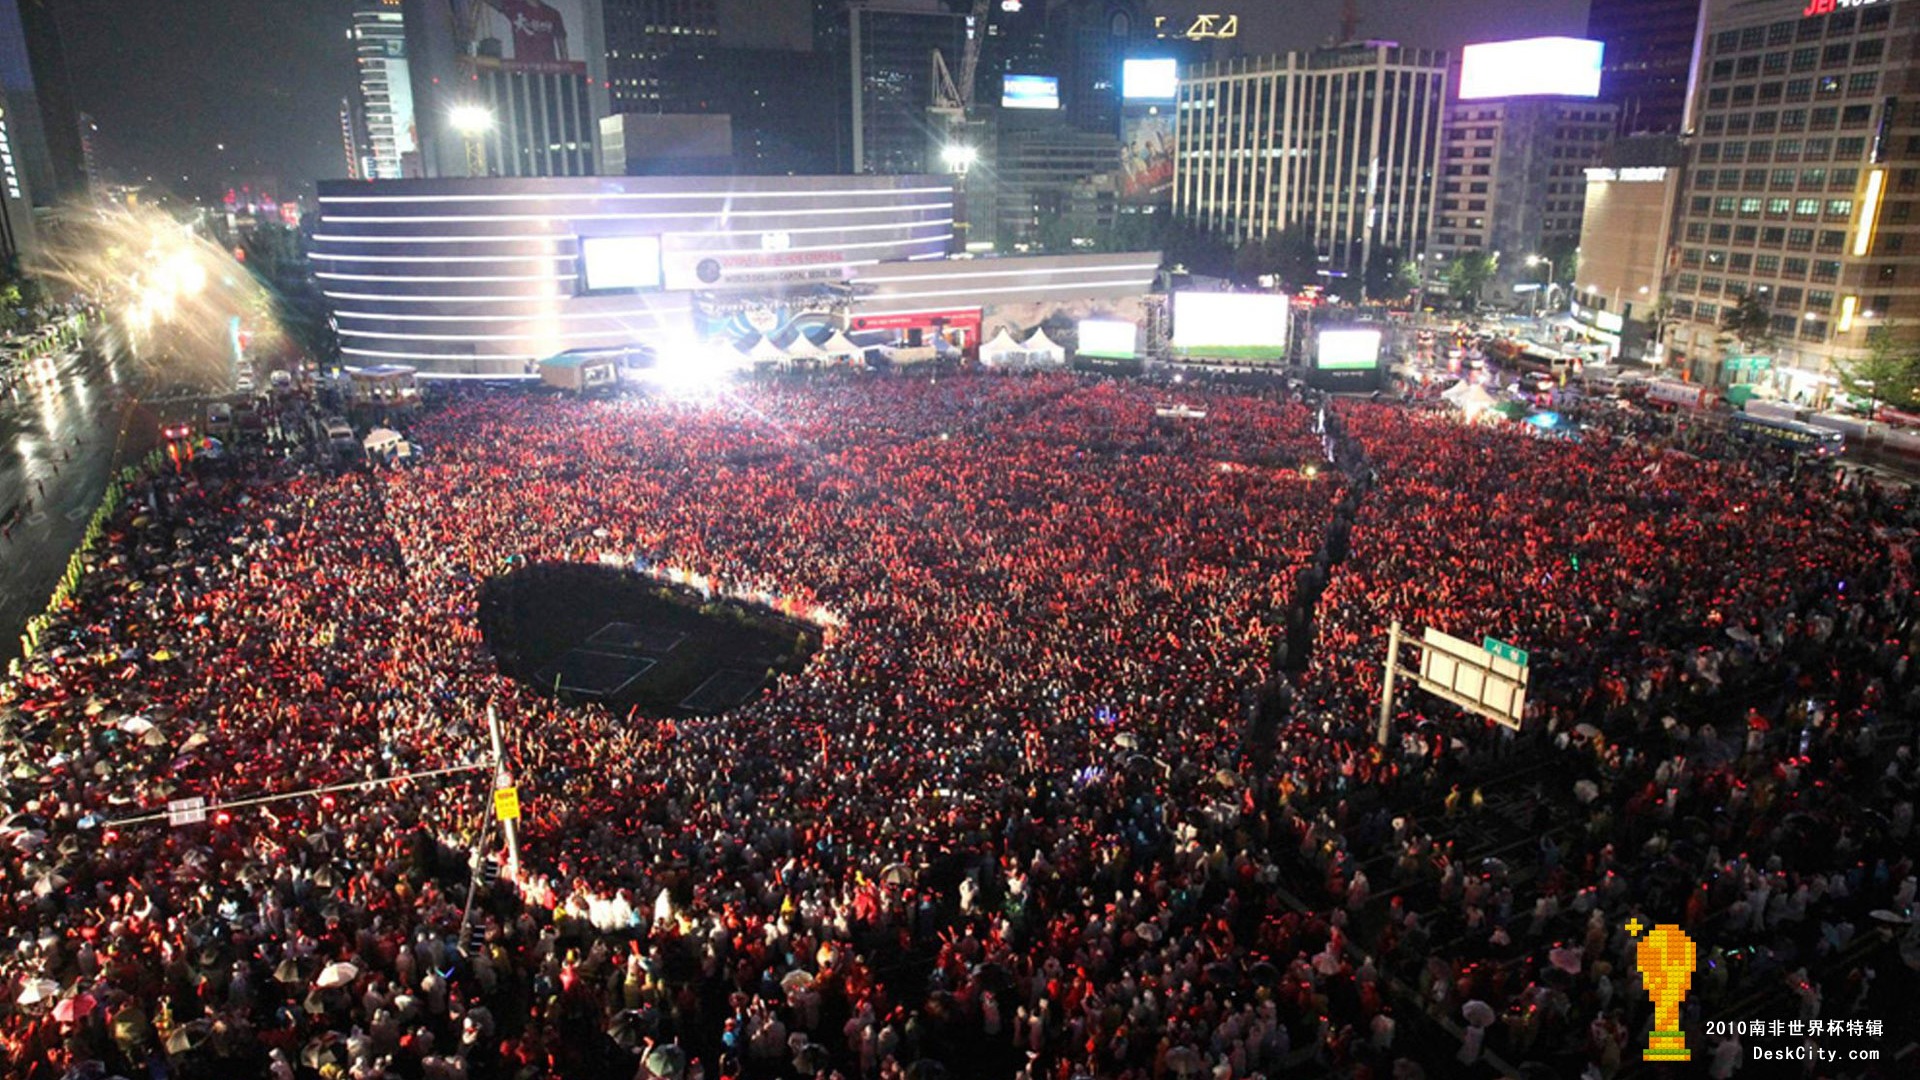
[{"x": 169, "y": 81}]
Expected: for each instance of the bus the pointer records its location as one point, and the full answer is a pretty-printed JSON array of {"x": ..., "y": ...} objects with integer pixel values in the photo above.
[{"x": 1788, "y": 434}]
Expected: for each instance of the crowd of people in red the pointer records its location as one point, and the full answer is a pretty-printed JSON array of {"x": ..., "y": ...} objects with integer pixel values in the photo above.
[{"x": 1063, "y": 795}]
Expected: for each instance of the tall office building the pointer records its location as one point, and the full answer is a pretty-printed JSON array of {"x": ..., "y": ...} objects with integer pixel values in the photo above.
[
  {"x": 1805, "y": 174},
  {"x": 1650, "y": 51},
  {"x": 1344, "y": 141},
  {"x": 385, "y": 128},
  {"x": 649, "y": 43},
  {"x": 536, "y": 69},
  {"x": 16, "y": 199},
  {"x": 889, "y": 80},
  {"x": 1626, "y": 235},
  {"x": 1514, "y": 181},
  {"x": 43, "y": 127}
]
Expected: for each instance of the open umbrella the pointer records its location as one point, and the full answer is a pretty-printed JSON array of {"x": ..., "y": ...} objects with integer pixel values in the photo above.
[
  {"x": 74, "y": 1009},
  {"x": 136, "y": 725},
  {"x": 796, "y": 980},
  {"x": 631, "y": 1027},
  {"x": 187, "y": 1039},
  {"x": 37, "y": 991},
  {"x": 1126, "y": 741},
  {"x": 326, "y": 1049},
  {"x": 287, "y": 972},
  {"x": 337, "y": 974},
  {"x": 1148, "y": 932},
  {"x": 667, "y": 1062},
  {"x": 1478, "y": 1013},
  {"x": 897, "y": 874}
]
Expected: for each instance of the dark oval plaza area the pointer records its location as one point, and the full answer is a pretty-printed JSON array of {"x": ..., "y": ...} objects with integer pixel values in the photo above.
[{"x": 959, "y": 540}]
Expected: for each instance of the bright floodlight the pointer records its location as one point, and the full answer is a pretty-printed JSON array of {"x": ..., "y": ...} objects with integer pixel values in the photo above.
[
  {"x": 958, "y": 156},
  {"x": 1534, "y": 260},
  {"x": 471, "y": 119}
]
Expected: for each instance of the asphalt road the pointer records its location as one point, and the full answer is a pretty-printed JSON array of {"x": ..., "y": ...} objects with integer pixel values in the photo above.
[{"x": 61, "y": 434}]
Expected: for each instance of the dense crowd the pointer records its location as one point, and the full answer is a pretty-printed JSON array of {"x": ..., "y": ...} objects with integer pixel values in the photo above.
[{"x": 1064, "y": 794}]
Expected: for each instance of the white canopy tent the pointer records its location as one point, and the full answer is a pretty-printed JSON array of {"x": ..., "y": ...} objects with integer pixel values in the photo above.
[
  {"x": 1002, "y": 351},
  {"x": 765, "y": 351},
  {"x": 839, "y": 346},
  {"x": 1040, "y": 345},
  {"x": 1468, "y": 397},
  {"x": 380, "y": 439},
  {"x": 803, "y": 348}
]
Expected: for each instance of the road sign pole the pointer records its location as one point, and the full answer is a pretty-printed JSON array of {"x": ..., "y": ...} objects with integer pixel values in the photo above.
[
  {"x": 1386, "y": 685},
  {"x": 501, "y": 779}
]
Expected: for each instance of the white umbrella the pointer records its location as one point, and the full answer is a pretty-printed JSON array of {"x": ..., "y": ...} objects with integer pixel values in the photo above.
[
  {"x": 1478, "y": 1013},
  {"x": 38, "y": 991},
  {"x": 337, "y": 974},
  {"x": 136, "y": 725}
]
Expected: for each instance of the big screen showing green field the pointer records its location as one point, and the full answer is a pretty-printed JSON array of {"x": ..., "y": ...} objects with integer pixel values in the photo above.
[
  {"x": 1230, "y": 326},
  {"x": 1348, "y": 350}
]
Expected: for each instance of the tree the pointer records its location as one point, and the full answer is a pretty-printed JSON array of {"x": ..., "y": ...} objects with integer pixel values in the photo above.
[
  {"x": 277, "y": 256},
  {"x": 1296, "y": 259},
  {"x": 1748, "y": 322},
  {"x": 1888, "y": 375},
  {"x": 1390, "y": 275},
  {"x": 1468, "y": 274}
]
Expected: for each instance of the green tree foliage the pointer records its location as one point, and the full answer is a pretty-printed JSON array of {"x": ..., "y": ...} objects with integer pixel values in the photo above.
[
  {"x": 1748, "y": 322},
  {"x": 277, "y": 256},
  {"x": 1391, "y": 275},
  {"x": 1889, "y": 374},
  {"x": 1467, "y": 275}
]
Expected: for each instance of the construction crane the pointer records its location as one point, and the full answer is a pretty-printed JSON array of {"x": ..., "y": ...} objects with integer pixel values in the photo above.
[{"x": 952, "y": 97}]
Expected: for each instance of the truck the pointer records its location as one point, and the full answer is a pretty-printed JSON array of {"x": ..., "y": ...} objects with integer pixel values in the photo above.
[{"x": 1674, "y": 394}]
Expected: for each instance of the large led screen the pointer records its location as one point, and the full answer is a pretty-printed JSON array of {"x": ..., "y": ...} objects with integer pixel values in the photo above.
[
  {"x": 1349, "y": 350},
  {"x": 1108, "y": 339},
  {"x": 1230, "y": 326},
  {"x": 1531, "y": 67},
  {"x": 1150, "y": 80},
  {"x": 621, "y": 262},
  {"x": 1029, "y": 92}
]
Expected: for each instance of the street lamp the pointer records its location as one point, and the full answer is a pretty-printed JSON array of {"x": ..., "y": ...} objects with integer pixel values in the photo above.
[
  {"x": 473, "y": 122},
  {"x": 959, "y": 157},
  {"x": 1536, "y": 260}
]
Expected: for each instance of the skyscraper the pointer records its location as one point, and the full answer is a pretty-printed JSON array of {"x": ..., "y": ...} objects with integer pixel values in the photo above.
[
  {"x": 387, "y": 136},
  {"x": 889, "y": 79},
  {"x": 1342, "y": 141},
  {"x": 1806, "y": 165},
  {"x": 43, "y": 127},
  {"x": 1650, "y": 47}
]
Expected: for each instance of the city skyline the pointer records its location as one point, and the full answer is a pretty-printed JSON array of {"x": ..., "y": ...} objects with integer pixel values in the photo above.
[{"x": 253, "y": 89}]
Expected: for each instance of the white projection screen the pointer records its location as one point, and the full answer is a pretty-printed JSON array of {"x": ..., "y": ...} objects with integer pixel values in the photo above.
[
  {"x": 620, "y": 262},
  {"x": 1108, "y": 339},
  {"x": 1349, "y": 349},
  {"x": 1230, "y": 326}
]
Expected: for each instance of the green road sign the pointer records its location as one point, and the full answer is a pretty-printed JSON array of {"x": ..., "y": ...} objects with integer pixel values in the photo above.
[{"x": 1504, "y": 651}]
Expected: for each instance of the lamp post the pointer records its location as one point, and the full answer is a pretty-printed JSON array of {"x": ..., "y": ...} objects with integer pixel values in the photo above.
[
  {"x": 1536, "y": 260},
  {"x": 473, "y": 122}
]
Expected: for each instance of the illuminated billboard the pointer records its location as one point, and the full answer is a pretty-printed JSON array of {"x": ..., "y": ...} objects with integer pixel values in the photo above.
[
  {"x": 1146, "y": 159},
  {"x": 1230, "y": 326},
  {"x": 620, "y": 262},
  {"x": 1149, "y": 81},
  {"x": 1531, "y": 67},
  {"x": 1107, "y": 339},
  {"x": 1349, "y": 350},
  {"x": 1029, "y": 92},
  {"x": 526, "y": 35}
]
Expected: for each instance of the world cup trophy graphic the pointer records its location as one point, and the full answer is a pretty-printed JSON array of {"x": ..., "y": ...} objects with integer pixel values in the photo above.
[{"x": 1665, "y": 957}]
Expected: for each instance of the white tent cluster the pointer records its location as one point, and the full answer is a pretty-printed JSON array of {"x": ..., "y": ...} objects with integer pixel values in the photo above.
[{"x": 1038, "y": 351}]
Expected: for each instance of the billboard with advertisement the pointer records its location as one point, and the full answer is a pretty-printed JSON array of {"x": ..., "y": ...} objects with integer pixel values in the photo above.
[
  {"x": 1146, "y": 159},
  {"x": 1145, "y": 81},
  {"x": 743, "y": 316},
  {"x": 1029, "y": 92},
  {"x": 1348, "y": 349},
  {"x": 1531, "y": 67},
  {"x": 691, "y": 261},
  {"x": 528, "y": 35},
  {"x": 1230, "y": 326}
]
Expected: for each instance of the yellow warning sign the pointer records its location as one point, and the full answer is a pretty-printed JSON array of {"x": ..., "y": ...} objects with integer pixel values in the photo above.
[{"x": 506, "y": 804}]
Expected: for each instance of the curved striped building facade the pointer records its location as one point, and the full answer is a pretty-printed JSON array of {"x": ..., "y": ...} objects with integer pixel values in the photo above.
[{"x": 484, "y": 278}]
